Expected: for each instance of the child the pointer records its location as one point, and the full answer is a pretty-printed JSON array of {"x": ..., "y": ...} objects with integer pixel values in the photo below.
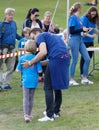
[
  {"x": 29, "y": 78},
  {"x": 22, "y": 42}
]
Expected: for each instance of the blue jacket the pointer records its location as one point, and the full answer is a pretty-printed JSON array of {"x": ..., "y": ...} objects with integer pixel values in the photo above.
[{"x": 10, "y": 33}]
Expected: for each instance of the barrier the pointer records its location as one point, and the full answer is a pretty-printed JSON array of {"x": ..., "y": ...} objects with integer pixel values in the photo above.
[{"x": 12, "y": 54}]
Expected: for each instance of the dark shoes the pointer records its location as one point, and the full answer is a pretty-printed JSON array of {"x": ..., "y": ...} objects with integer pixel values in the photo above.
[
  {"x": 0, "y": 88},
  {"x": 8, "y": 87}
]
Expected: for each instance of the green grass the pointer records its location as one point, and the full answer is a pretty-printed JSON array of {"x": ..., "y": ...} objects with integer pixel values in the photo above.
[{"x": 80, "y": 107}]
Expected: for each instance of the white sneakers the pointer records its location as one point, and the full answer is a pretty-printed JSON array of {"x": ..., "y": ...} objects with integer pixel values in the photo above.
[
  {"x": 83, "y": 81},
  {"x": 86, "y": 81},
  {"x": 73, "y": 83},
  {"x": 55, "y": 115},
  {"x": 46, "y": 118}
]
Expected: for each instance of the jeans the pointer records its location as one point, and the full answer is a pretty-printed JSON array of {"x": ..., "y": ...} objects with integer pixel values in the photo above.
[
  {"x": 28, "y": 98},
  {"x": 87, "y": 44},
  {"x": 76, "y": 45},
  {"x": 10, "y": 62}
]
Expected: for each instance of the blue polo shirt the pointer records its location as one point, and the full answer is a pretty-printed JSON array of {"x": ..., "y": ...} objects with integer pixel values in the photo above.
[
  {"x": 55, "y": 45},
  {"x": 75, "y": 22},
  {"x": 88, "y": 24},
  {"x": 30, "y": 74}
]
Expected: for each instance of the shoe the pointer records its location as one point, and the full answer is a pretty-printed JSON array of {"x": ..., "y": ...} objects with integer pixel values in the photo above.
[
  {"x": 46, "y": 118},
  {"x": 86, "y": 81},
  {"x": 0, "y": 88},
  {"x": 7, "y": 87},
  {"x": 73, "y": 83},
  {"x": 27, "y": 118},
  {"x": 55, "y": 115},
  {"x": 41, "y": 80}
]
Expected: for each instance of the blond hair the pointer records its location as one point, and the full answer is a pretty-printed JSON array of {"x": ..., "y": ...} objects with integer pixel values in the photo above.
[
  {"x": 26, "y": 29},
  {"x": 47, "y": 12},
  {"x": 9, "y": 10},
  {"x": 30, "y": 46}
]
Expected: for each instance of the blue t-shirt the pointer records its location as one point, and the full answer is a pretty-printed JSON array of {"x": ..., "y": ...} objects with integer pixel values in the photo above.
[
  {"x": 75, "y": 22},
  {"x": 21, "y": 43},
  {"x": 88, "y": 24},
  {"x": 55, "y": 45},
  {"x": 29, "y": 75}
]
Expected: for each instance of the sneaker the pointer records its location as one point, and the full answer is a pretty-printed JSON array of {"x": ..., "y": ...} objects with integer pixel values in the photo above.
[
  {"x": 73, "y": 83},
  {"x": 27, "y": 118},
  {"x": 46, "y": 118},
  {"x": 55, "y": 115},
  {"x": 0, "y": 88},
  {"x": 7, "y": 87},
  {"x": 86, "y": 81}
]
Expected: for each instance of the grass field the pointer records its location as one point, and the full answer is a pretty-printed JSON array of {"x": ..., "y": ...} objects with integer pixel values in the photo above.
[{"x": 80, "y": 108}]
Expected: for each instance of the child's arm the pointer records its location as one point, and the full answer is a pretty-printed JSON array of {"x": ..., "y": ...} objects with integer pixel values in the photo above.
[
  {"x": 19, "y": 66},
  {"x": 89, "y": 35}
]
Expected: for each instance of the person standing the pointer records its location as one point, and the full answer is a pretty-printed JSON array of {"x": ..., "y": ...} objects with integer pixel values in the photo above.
[
  {"x": 32, "y": 20},
  {"x": 57, "y": 71},
  {"x": 76, "y": 45},
  {"x": 47, "y": 24},
  {"x": 29, "y": 78},
  {"x": 8, "y": 36},
  {"x": 89, "y": 20}
]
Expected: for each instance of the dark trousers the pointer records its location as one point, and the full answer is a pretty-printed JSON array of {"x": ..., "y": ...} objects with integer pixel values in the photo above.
[
  {"x": 89, "y": 44},
  {"x": 53, "y": 98}
]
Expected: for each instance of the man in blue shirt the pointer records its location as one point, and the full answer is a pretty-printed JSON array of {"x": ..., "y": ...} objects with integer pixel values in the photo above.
[
  {"x": 8, "y": 36},
  {"x": 57, "y": 71}
]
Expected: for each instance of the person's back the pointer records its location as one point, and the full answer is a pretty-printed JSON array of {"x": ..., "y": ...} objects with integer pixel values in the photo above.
[{"x": 53, "y": 42}]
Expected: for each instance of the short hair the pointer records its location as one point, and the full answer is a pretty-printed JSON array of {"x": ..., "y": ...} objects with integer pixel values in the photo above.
[
  {"x": 35, "y": 30},
  {"x": 26, "y": 29},
  {"x": 9, "y": 10},
  {"x": 30, "y": 46}
]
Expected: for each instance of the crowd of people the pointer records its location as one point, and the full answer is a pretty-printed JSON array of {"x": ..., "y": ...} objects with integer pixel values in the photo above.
[{"x": 49, "y": 63}]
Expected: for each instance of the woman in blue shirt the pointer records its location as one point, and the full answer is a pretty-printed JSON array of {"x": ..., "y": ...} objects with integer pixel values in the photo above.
[
  {"x": 89, "y": 20},
  {"x": 76, "y": 45}
]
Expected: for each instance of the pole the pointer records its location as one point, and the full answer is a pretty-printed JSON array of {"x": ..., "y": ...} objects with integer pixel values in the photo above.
[
  {"x": 54, "y": 13},
  {"x": 67, "y": 17}
]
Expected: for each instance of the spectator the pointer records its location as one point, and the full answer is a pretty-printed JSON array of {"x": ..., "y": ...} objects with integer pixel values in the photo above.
[
  {"x": 89, "y": 20},
  {"x": 32, "y": 20},
  {"x": 57, "y": 71},
  {"x": 8, "y": 36},
  {"x": 48, "y": 26},
  {"x": 76, "y": 44},
  {"x": 29, "y": 79}
]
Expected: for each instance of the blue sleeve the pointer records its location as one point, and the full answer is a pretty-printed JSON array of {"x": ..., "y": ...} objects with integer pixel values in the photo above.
[
  {"x": 84, "y": 21},
  {"x": 39, "y": 67},
  {"x": 72, "y": 21},
  {"x": 0, "y": 33},
  {"x": 18, "y": 37},
  {"x": 40, "y": 38},
  {"x": 19, "y": 66}
]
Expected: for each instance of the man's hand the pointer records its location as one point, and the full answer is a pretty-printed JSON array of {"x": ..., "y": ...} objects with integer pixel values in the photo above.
[{"x": 26, "y": 64}]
